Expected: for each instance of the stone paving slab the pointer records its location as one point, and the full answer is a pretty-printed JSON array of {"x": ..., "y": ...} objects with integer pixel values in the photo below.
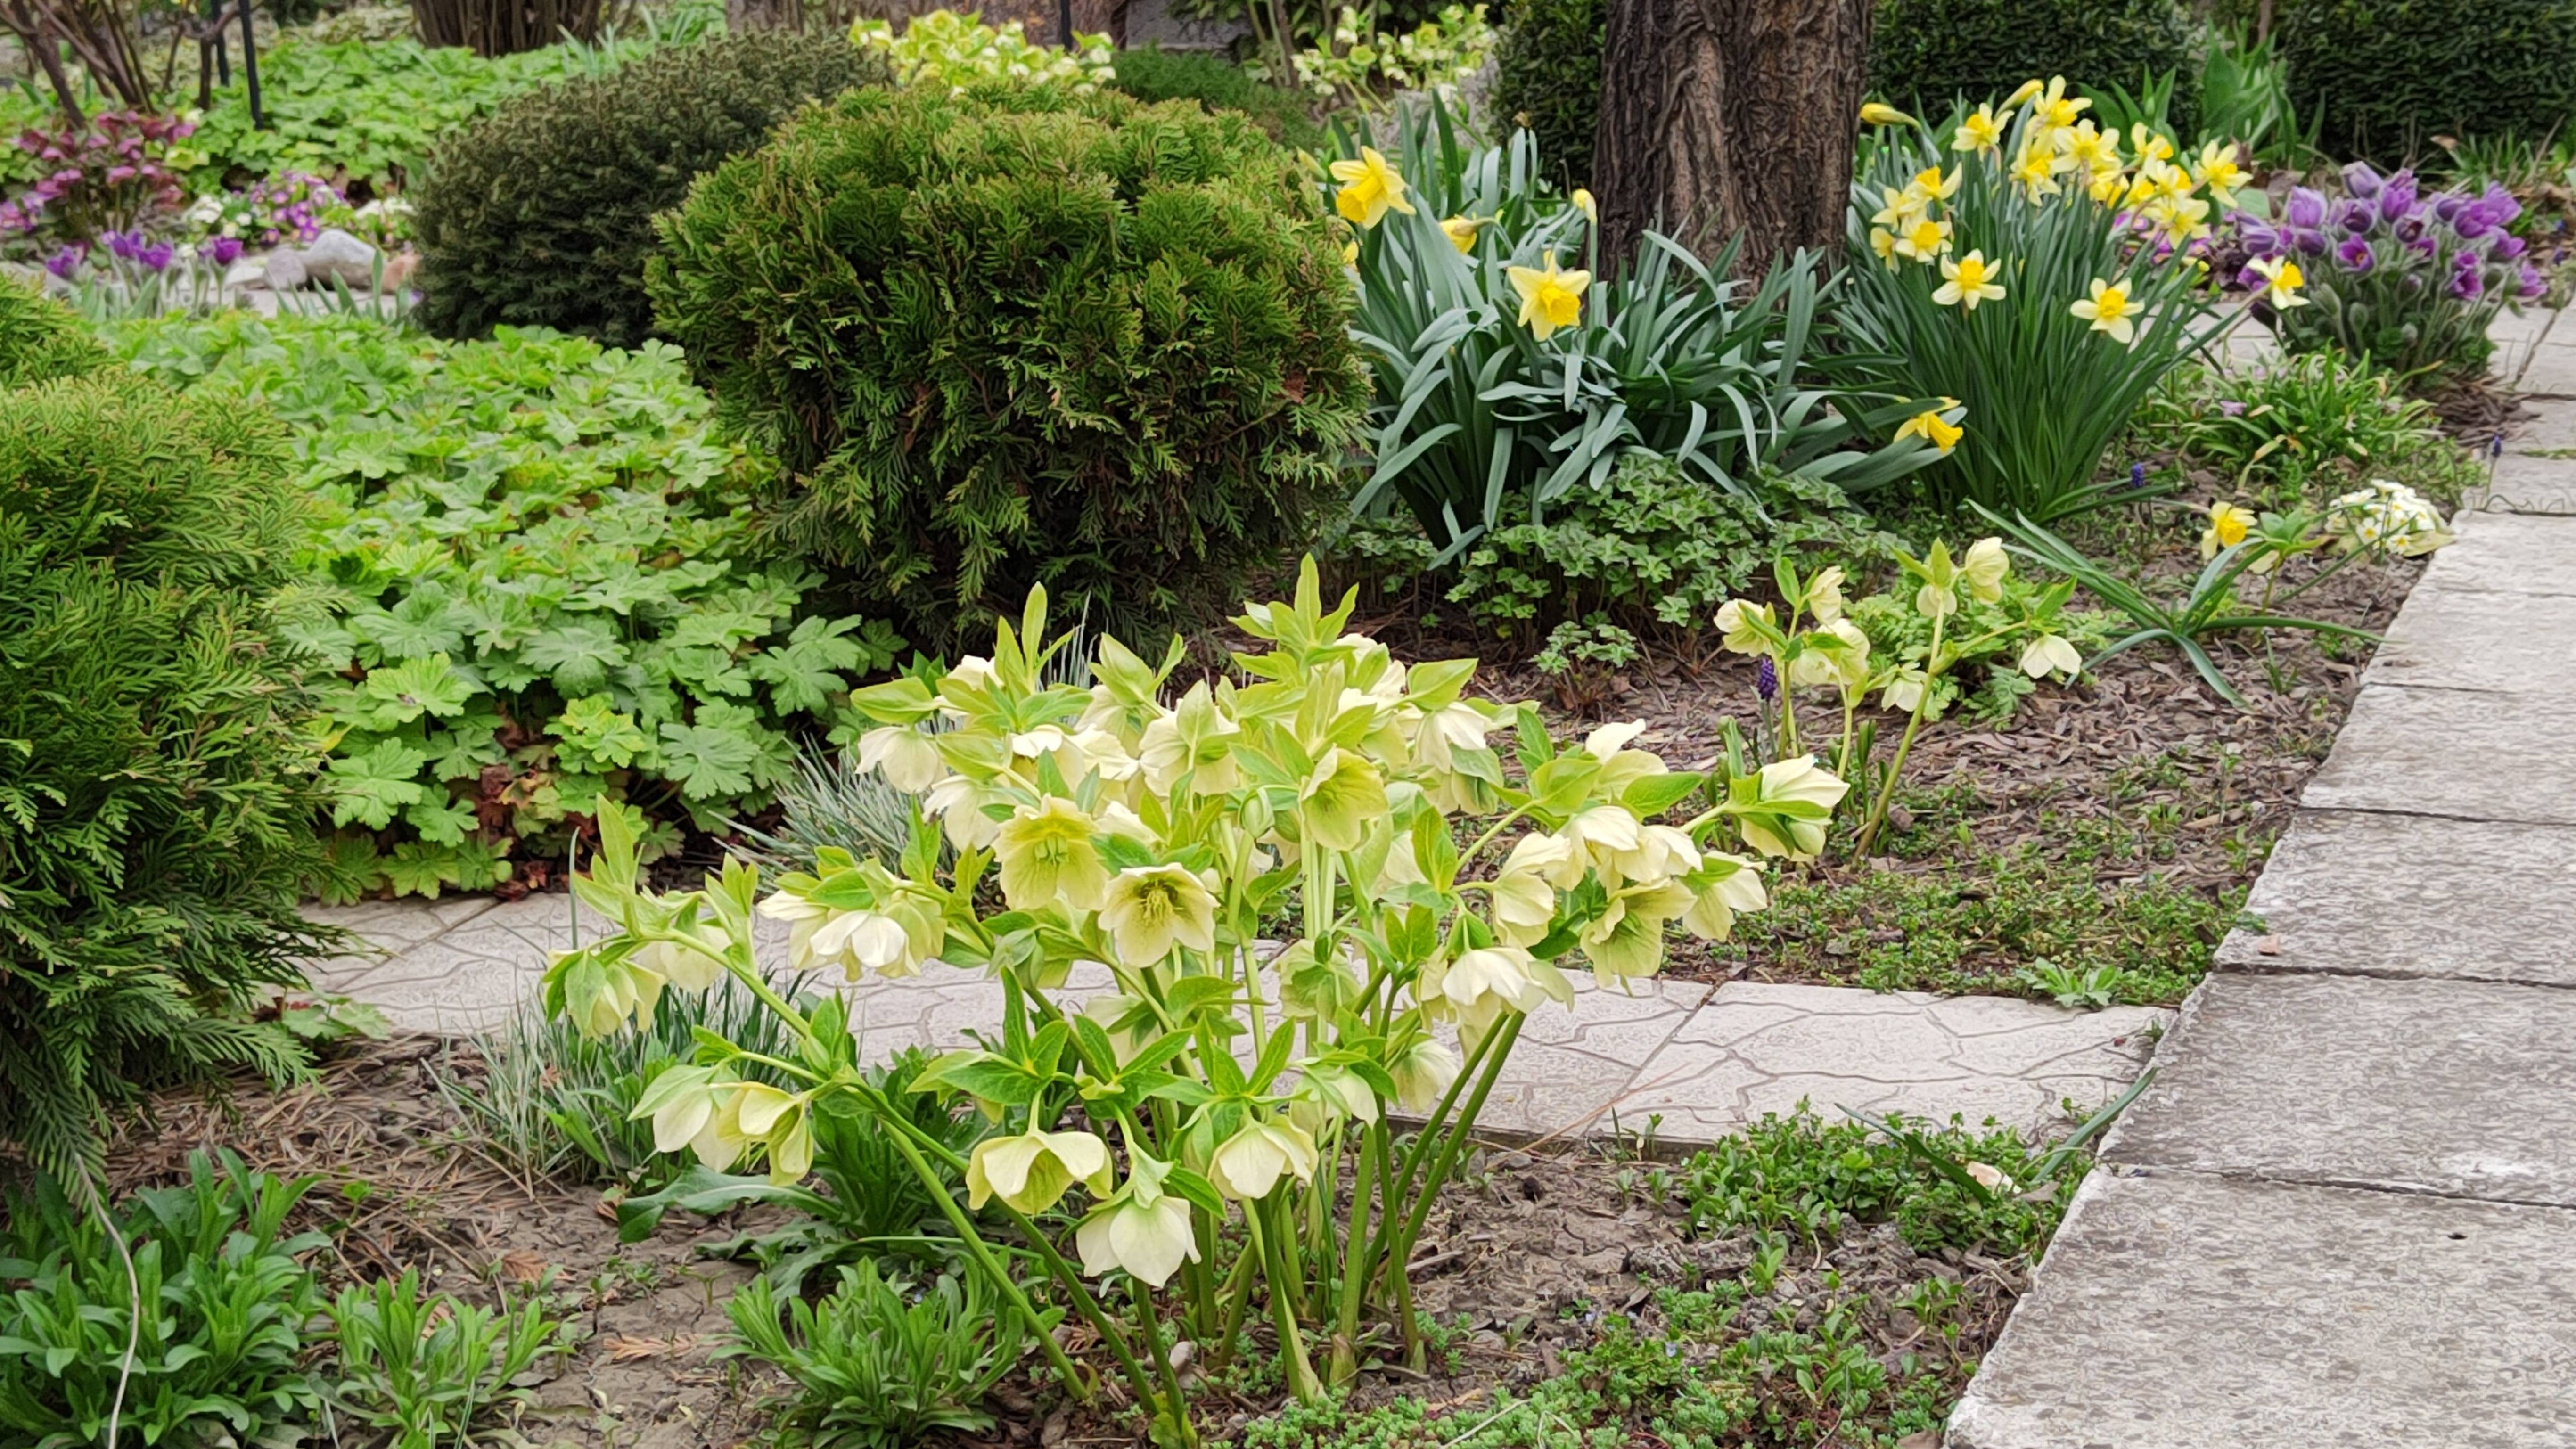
[
  {"x": 2455, "y": 1088},
  {"x": 1758, "y": 1049},
  {"x": 2504, "y": 553},
  {"x": 2176, "y": 1311},
  {"x": 2511, "y": 643},
  {"x": 2522, "y": 482},
  {"x": 2413, "y": 896},
  {"x": 2467, "y": 755}
]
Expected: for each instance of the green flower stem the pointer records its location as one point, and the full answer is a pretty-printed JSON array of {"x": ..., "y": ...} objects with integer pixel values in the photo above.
[
  {"x": 1176, "y": 1408},
  {"x": 1292, "y": 1345},
  {"x": 1355, "y": 1276},
  {"x": 1487, "y": 838},
  {"x": 1913, "y": 726},
  {"x": 1400, "y": 1251}
]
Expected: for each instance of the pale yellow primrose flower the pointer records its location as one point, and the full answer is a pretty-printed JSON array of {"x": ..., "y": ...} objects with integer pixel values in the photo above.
[
  {"x": 2109, "y": 310},
  {"x": 1970, "y": 282},
  {"x": 1033, "y": 1170},
  {"x": 1370, "y": 189},
  {"x": 2227, "y": 528},
  {"x": 1551, "y": 298}
]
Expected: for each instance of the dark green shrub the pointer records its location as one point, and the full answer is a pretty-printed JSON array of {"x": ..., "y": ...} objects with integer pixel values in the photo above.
[
  {"x": 541, "y": 214},
  {"x": 1547, "y": 76},
  {"x": 218, "y": 1356},
  {"x": 40, "y": 340},
  {"x": 1156, "y": 74},
  {"x": 1023, "y": 336},
  {"x": 2386, "y": 76},
  {"x": 1925, "y": 53},
  {"x": 156, "y": 776}
]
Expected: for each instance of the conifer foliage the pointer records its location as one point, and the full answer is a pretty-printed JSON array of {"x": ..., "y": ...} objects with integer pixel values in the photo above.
[
  {"x": 1021, "y": 336},
  {"x": 156, "y": 776}
]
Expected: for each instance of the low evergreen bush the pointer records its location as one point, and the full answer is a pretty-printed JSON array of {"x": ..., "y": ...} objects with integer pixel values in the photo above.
[
  {"x": 157, "y": 784},
  {"x": 1156, "y": 74},
  {"x": 1020, "y": 336},
  {"x": 1924, "y": 54},
  {"x": 2386, "y": 76},
  {"x": 541, "y": 213},
  {"x": 40, "y": 340}
]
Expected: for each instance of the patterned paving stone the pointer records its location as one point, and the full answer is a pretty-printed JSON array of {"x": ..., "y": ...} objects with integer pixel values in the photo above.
[
  {"x": 2461, "y": 1088},
  {"x": 2463, "y": 639},
  {"x": 2470, "y": 756},
  {"x": 1757, "y": 1049},
  {"x": 2505, "y": 553},
  {"x": 2176, "y": 1311},
  {"x": 2522, "y": 482},
  {"x": 2409, "y": 895},
  {"x": 384, "y": 929}
]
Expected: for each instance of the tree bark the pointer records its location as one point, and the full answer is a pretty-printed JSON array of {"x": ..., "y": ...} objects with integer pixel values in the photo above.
[{"x": 1728, "y": 118}]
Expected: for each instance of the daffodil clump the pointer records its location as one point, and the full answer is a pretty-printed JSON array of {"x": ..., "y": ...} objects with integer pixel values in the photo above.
[
  {"x": 2037, "y": 274},
  {"x": 1121, "y": 857},
  {"x": 945, "y": 48},
  {"x": 1811, "y": 640}
]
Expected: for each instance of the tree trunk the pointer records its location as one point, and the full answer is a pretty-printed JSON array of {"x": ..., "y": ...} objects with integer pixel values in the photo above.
[
  {"x": 742, "y": 15},
  {"x": 1729, "y": 118}
]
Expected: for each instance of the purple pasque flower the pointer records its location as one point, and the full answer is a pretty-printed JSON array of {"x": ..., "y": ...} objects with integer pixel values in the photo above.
[
  {"x": 2359, "y": 180},
  {"x": 2502, "y": 206},
  {"x": 156, "y": 257},
  {"x": 2506, "y": 247},
  {"x": 2355, "y": 255},
  {"x": 2309, "y": 241},
  {"x": 2306, "y": 208},
  {"x": 223, "y": 251},
  {"x": 2472, "y": 222},
  {"x": 2466, "y": 284},
  {"x": 2531, "y": 285},
  {"x": 2447, "y": 205},
  {"x": 2261, "y": 238},
  {"x": 2354, "y": 217},
  {"x": 124, "y": 246},
  {"x": 2397, "y": 197},
  {"x": 67, "y": 261}
]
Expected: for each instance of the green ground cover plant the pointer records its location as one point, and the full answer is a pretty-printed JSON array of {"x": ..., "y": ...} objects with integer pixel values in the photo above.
[
  {"x": 157, "y": 763},
  {"x": 541, "y": 590},
  {"x": 1079, "y": 340},
  {"x": 878, "y": 1363}
]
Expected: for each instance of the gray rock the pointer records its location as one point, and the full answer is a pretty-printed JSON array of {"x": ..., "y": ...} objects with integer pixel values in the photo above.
[
  {"x": 2184, "y": 1312},
  {"x": 336, "y": 256},
  {"x": 284, "y": 270},
  {"x": 2455, "y": 752},
  {"x": 2410, "y": 895},
  {"x": 247, "y": 272},
  {"x": 2463, "y": 1088}
]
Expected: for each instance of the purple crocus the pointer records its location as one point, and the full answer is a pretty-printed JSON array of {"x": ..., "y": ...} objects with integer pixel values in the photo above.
[{"x": 2355, "y": 255}]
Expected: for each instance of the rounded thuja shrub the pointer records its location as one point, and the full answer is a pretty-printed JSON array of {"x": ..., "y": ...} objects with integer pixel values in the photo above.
[
  {"x": 2384, "y": 77},
  {"x": 1927, "y": 53},
  {"x": 541, "y": 214},
  {"x": 1024, "y": 336}
]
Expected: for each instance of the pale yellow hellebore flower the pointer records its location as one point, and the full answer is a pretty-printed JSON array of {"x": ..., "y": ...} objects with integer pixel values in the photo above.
[
  {"x": 1722, "y": 887},
  {"x": 1033, "y": 1170},
  {"x": 1339, "y": 800},
  {"x": 904, "y": 756},
  {"x": 1422, "y": 1074},
  {"x": 1247, "y": 1165},
  {"x": 2051, "y": 652},
  {"x": 1971, "y": 281},
  {"x": 1370, "y": 189},
  {"x": 1047, "y": 858},
  {"x": 1844, "y": 663},
  {"x": 1146, "y": 1238},
  {"x": 1550, "y": 298},
  {"x": 1149, "y": 909},
  {"x": 1798, "y": 780},
  {"x": 1737, "y": 623},
  {"x": 1983, "y": 568},
  {"x": 1627, "y": 940},
  {"x": 2109, "y": 310}
]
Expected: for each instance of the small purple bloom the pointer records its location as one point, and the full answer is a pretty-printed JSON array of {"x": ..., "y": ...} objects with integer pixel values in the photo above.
[
  {"x": 2472, "y": 222},
  {"x": 2531, "y": 286},
  {"x": 2447, "y": 205},
  {"x": 223, "y": 251},
  {"x": 2354, "y": 217},
  {"x": 2355, "y": 255},
  {"x": 2466, "y": 285},
  {"x": 156, "y": 256},
  {"x": 2307, "y": 208},
  {"x": 125, "y": 246},
  {"x": 2137, "y": 475},
  {"x": 2502, "y": 205},
  {"x": 2263, "y": 239},
  {"x": 2361, "y": 181},
  {"x": 2231, "y": 408},
  {"x": 2309, "y": 241},
  {"x": 2397, "y": 198},
  {"x": 1766, "y": 679},
  {"x": 67, "y": 261},
  {"x": 2507, "y": 247}
]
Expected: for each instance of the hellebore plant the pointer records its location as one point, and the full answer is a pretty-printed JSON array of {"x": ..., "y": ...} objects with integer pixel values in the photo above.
[
  {"x": 1160, "y": 1068},
  {"x": 114, "y": 174},
  {"x": 1816, "y": 644},
  {"x": 2409, "y": 279}
]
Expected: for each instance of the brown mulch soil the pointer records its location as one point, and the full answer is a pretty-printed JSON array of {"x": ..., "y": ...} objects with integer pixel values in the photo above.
[{"x": 1521, "y": 1260}]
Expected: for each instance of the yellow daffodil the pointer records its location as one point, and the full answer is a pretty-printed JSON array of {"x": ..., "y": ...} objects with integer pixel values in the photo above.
[
  {"x": 1461, "y": 231},
  {"x": 2054, "y": 107},
  {"x": 2051, "y": 653},
  {"x": 1900, "y": 208},
  {"x": 2035, "y": 169},
  {"x": 2108, "y": 185},
  {"x": 2086, "y": 146},
  {"x": 2109, "y": 310},
  {"x": 1033, "y": 1170},
  {"x": 1931, "y": 185},
  {"x": 1350, "y": 254},
  {"x": 2281, "y": 282},
  {"x": 1152, "y": 908},
  {"x": 2021, "y": 93},
  {"x": 2227, "y": 528},
  {"x": 1983, "y": 130},
  {"x": 2219, "y": 173},
  {"x": 1370, "y": 189},
  {"x": 1584, "y": 203},
  {"x": 1876, "y": 114},
  {"x": 1930, "y": 427},
  {"x": 2149, "y": 144},
  {"x": 1883, "y": 242},
  {"x": 1970, "y": 282},
  {"x": 1549, "y": 298},
  {"x": 2182, "y": 216},
  {"x": 1923, "y": 239}
]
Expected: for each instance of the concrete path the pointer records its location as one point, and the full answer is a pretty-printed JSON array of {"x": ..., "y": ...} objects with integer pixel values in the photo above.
[
  {"x": 1676, "y": 1061},
  {"x": 2345, "y": 1214}
]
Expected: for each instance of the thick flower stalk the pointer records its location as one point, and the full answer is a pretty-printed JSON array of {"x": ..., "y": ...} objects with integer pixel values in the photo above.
[{"x": 1438, "y": 893}]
